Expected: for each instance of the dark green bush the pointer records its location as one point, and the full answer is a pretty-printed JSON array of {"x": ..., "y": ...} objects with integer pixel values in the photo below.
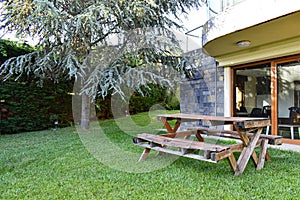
[
  {"x": 155, "y": 95},
  {"x": 138, "y": 102},
  {"x": 31, "y": 107}
]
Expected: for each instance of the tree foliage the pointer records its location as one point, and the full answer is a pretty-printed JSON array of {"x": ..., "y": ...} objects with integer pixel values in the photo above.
[{"x": 69, "y": 32}]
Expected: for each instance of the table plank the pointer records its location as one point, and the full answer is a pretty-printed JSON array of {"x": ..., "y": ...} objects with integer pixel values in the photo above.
[{"x": 241, "y": 122}]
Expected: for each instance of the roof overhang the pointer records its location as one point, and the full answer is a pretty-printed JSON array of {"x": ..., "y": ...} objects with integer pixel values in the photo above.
[{"x": 271, "y": 36}]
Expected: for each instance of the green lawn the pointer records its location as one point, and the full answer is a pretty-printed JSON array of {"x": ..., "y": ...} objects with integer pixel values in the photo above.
[{"x": 65, "y": 164}]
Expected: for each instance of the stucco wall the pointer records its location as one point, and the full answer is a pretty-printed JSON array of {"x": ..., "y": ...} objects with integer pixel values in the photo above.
[
  {"x": 249, "y": 13},
  {"x": 205, "y": 95}
]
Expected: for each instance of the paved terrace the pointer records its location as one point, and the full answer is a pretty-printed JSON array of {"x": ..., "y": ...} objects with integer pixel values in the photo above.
[{"x": 288, "y": 147}]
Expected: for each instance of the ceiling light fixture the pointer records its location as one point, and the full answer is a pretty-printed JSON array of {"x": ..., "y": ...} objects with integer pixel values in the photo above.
[{"x": 243, "y": 43}]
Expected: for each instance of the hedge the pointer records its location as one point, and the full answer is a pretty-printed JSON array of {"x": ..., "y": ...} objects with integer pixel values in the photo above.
[
  {"x": 138, "y": 102},
  {"x": 27, "y": 107}
]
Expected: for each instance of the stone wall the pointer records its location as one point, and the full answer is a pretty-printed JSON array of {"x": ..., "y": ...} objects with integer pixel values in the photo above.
[{"x": 203, "y": 95}]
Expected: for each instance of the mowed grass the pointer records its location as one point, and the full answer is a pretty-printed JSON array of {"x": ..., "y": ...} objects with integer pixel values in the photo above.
[{"x": 66, "y": 164}]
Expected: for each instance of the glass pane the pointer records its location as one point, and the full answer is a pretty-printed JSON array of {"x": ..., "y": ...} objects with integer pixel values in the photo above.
[
  {"x": 228, "y": 3},
  {"x": 289, "y": 99},
  {"x": 216, "y": 6},
  {"x": 253, "y": 91}
]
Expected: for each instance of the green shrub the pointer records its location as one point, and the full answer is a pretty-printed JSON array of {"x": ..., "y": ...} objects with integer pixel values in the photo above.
[
  {"x": 138, "y": 102},
  {"x": 33, "y": 108}
]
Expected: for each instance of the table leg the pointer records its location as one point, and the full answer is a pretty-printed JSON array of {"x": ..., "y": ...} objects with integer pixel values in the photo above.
[
  {"x": 246, "y": 153},
  {"x": 232, "y": 162},
  {"x": 246, "y": 142},
  {"x": 199, "y": 137},
  {"x": 144, "y": 154},
  {"x": 263, "y": 153},
  {"x": 168, "y": 126},
  {"x": 268, "y": 157},
  {"x": 171, "y": 131}
]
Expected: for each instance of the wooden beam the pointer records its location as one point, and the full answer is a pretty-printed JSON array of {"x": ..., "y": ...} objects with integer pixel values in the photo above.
[
  {"x": 179, "y": 153},
  {"x": 180, "y": 143},
  {"x": 274, "y": 98},
  {"x": 273, "y": 139}
]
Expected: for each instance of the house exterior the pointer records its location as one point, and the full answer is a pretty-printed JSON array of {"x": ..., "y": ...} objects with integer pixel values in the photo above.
[{"x": 256, "y": 48}]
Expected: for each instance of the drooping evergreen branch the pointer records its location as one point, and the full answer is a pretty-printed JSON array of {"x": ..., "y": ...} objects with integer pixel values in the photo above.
[{"x": 67, "y": 31}]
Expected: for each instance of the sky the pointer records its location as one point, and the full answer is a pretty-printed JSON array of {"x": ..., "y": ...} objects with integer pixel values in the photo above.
[{"x": 195, "y": 18}]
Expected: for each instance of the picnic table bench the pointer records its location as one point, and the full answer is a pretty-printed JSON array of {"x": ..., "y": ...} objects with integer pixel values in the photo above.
[{"x": 248, "y": 130}]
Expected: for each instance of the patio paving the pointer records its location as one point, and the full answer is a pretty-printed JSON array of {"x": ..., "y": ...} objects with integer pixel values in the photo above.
[{"x": 288, "y": 147}]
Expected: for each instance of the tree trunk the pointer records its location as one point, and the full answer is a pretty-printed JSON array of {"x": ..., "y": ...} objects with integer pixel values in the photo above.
[{"x": 85, "y": 112}]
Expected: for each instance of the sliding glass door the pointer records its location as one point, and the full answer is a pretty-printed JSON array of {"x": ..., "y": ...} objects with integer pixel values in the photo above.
[
  {"x": 270, "y": 89},
  {"x": 252, "y": 91},
  {"x": 288, "y": 99}
]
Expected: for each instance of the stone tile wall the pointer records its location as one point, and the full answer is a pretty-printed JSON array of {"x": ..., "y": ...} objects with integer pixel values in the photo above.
[{"x": 205, "y": 95}]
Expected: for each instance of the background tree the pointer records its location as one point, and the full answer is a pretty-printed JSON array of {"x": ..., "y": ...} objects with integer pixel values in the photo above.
[
  {"x": 10, "y": 49},
  {"x": 67, "y": 31}
]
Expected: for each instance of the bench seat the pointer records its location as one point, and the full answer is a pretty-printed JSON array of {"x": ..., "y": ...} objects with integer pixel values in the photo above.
[{"x": 185, "y": 148}]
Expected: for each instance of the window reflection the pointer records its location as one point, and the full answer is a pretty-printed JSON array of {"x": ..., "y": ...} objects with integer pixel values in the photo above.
[
  {"x": 288, "y": 99},
  {"x": 252, "y": 90}
]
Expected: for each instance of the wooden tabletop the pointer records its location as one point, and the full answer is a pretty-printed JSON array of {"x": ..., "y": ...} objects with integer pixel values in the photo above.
[{"x": 241, "y": 122}]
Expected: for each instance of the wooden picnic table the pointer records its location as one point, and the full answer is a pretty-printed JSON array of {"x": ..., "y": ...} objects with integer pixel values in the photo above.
[{"x": 247, "y": 129}]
